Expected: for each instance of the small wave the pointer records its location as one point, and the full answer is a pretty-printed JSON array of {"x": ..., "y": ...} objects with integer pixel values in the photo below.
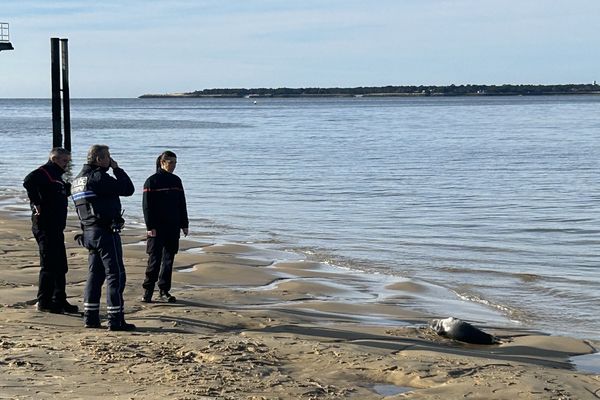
[
  {"x": 511, "y": 313},
  {"x": 525, "y": 277},
  {"x": 150, "y": 124},
  {"x": 571, "y": 231}
]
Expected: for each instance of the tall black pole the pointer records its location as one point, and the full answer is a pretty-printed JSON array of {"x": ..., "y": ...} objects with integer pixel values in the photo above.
[
  {"x": 65, "y": 92},
  {"x": 55, "y": 71}
]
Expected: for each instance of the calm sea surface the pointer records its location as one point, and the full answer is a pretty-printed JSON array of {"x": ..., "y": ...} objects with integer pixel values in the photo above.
[{"x": 496, "y": 201}]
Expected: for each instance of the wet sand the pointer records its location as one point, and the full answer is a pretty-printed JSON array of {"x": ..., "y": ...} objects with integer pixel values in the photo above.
[{"x": 247, "y": 326}]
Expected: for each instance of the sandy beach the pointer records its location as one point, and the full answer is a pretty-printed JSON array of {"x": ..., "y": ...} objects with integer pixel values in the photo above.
[{"x": 248, "y": 327}]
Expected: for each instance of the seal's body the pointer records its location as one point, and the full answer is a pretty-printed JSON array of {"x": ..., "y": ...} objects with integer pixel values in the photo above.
[{"x": 462, "y": 331}]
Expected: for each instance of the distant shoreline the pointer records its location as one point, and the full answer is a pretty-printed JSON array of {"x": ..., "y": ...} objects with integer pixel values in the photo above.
[{"x": 391, "y": 91}]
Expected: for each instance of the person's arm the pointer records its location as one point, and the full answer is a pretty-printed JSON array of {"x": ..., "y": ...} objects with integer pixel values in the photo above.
[
  {"x": 183, "y": 216},
  {"x": 102, "y": 183},
  {"x": 147, "y": 203},
  {"x": 32, "y": 183},
  {"x": 126, "y": 187},
  {"x": 68, "y": 188}
]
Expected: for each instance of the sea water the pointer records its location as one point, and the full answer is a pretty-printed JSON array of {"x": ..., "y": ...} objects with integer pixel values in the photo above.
[{"x": 495, "y": 200}]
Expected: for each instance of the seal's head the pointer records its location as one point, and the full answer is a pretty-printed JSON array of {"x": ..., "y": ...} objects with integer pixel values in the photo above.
[{"x": 443, "y": 326}]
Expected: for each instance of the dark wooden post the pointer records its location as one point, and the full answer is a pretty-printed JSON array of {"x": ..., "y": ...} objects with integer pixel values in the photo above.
[
  {"x": 5, "y": 43},
  {"x": 56, "y": 111},
  {"x": 65, "y": 92}
]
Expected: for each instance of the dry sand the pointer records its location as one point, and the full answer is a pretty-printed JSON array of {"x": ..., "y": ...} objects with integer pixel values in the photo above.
[{"x": 246, "y": 327}]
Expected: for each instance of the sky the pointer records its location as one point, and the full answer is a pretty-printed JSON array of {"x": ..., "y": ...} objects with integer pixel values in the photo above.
[{"x": 126, "y": 48}]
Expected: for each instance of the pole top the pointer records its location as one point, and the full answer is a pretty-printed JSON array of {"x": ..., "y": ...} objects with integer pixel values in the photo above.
[{"x": 5, "y": 43}]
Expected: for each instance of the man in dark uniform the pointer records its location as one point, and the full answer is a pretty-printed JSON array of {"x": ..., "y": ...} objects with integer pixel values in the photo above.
[
  {"x": 48, "y": 193},
  {"x": 96, "y": 196},
  {"x": 165, "y": 214}
]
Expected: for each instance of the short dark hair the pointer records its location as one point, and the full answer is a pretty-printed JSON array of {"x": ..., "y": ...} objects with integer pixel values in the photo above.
[
  {"x": 96, "y": 151},
  {"x": 58, "y": 151}
]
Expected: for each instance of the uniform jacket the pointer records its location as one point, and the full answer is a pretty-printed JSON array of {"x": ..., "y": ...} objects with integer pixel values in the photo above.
[
  {"x": 164, "y": 203},
  {"x": 96, "y": 195},
  {"x": 46, "y": 188}
]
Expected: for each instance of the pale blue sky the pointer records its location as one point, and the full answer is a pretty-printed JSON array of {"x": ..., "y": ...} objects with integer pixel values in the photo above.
[{"x": 128, "y": 48}]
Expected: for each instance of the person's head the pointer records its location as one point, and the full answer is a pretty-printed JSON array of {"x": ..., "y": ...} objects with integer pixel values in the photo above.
[
  {"x": 99, "y": 155},
  {"x": 167, "y": 161},
  {"x": 60, "y": 157}
]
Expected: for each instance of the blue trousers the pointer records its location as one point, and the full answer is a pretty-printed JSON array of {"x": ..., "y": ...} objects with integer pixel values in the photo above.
[{"x": 105, "y": 261}]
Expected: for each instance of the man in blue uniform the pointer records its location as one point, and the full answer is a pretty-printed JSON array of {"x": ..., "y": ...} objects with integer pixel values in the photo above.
[
  {"x": 48, "y": 193},
  {"x": 96, "y": 196}
]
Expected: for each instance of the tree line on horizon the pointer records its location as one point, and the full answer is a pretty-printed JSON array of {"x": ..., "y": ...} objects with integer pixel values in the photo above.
[{"x": 451, "y": 90}]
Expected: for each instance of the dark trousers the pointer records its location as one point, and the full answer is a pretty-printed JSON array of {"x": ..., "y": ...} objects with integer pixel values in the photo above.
[
  {"x": 105, "y": 262},
  {"x": 161, "y": 254},
  {"x": 53, "y": 266}
]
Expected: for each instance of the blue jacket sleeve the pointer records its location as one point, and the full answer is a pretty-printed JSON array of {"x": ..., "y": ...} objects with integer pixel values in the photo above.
[{"x": 105, "y": 185}]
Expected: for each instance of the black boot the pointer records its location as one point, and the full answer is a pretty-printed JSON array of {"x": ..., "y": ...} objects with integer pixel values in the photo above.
[
  {"x": 91, "y": 320},
  {"x": 124, "y": 326},
  {"x": 119, "y": 324},
  {"x": 49, "y": 308},
  {"x": 69, "y": 308},
  {"x": 165, "y": 295},
  {"x": 147, "y": 297}
]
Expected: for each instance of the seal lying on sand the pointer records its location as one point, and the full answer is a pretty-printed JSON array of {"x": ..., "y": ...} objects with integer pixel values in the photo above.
[{"x": 462, "y": 331}]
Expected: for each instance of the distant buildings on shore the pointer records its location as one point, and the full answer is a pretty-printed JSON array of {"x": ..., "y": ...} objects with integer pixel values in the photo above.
[{"x": 406, "y": 91}]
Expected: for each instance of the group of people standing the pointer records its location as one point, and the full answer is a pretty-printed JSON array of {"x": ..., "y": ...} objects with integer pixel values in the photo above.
[{"x": 96, "y": 195}]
